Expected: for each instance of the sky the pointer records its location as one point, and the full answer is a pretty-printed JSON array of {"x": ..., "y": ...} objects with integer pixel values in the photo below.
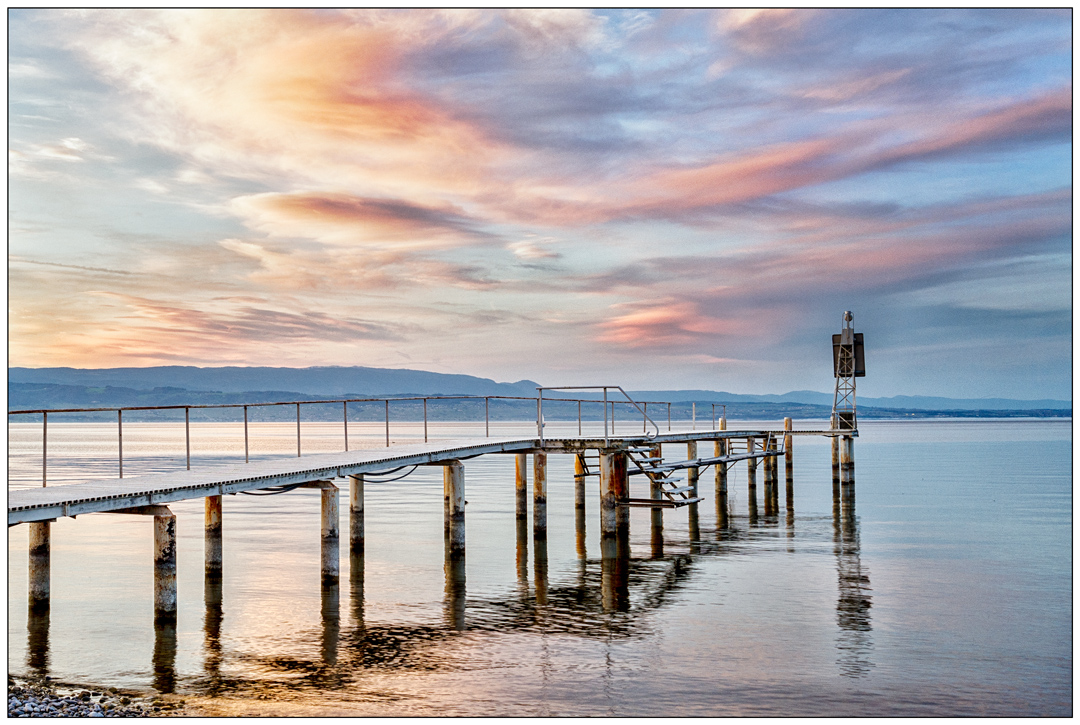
[{"x": 655, "y": 199}]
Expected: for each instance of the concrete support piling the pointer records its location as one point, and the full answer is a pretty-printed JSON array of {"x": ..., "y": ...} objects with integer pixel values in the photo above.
[
  {"x": 656, "y": 514},
  {"x": 789, "y": 472},
  {"x": 613, "y": 488},
  {"x": 165, "y": 567},
  {"x": 356, "y": 513},
  {"x": 330, "y": 537},
  {"x": 835, "y": 455},
  {"x": 751, "y": 471},
  {"x": 770, "y": 476},
  {"x": 847, "y": 470},
  {"x": 212, "y": 535},
  {"x": 454, "y": 499},
  {"x": 579, "y": 481},
  {"x": 521, "y": 483},
  {"x": 40, "y": 556},
  {"x": 539, "y": 495},
  {"x": 720, "y": 448}
]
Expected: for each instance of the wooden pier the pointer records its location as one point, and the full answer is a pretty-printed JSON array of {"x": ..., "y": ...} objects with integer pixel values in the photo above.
[{"x": 613, "y": 459}]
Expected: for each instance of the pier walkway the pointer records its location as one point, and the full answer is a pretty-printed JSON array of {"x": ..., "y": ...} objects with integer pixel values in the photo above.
[
  {"x": 47, "y": 503},
  {"x": 614, "y": 459}
]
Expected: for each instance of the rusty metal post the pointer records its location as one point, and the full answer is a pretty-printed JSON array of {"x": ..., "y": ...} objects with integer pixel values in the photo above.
[
  {"x": 656, "y": 514},
  {"x": 579, "y": 481},
  {"x": 212, "y": 535},
  {"x": 751, "y": 468},
  {"x": 612, "y": 490},
  {"x": 165, "y": 567},
  {"x": 770, "y": 477},
  {"x": 847, "y": 465},
  {"x": 539, "y": 495},
  {"x": 835, "y": 455},
  {"x": 521, "y": 485},
  {"x": 356, "y": 513},
  {"x": 454, "y": 496},
  {"x": 330, "y": 538},
  {"x": 789, "y": 472},
  {"x": 720, "y": 448},
  {"x": 692, "y": 472},
  {"x": 40, "y": 557}
]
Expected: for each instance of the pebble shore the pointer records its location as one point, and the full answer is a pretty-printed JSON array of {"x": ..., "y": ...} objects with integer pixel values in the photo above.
[{"x": 45, "y": 699}]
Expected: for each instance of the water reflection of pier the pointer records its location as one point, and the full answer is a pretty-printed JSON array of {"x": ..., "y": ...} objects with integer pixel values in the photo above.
[
  {"x": 610, "y": 596},
  {"x": 604, "y": 598}
]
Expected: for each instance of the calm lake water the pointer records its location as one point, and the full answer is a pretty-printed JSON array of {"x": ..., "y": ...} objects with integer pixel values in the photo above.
[{"x": 949, "y": 592}]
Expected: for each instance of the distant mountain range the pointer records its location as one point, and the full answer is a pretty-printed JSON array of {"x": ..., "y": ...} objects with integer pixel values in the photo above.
[{"x": 174, "y": 384}]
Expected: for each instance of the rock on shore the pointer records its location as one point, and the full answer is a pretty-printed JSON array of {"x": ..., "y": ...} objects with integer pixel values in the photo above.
[{"x": 44, "y": 699}]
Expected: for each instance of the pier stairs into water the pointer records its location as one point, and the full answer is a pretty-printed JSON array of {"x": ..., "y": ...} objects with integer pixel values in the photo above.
[{"x": 616, "y": 460}]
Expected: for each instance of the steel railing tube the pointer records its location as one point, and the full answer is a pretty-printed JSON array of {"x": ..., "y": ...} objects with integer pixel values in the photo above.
[
  {"x": 487, "y": 419},
  {"x": 187, "y": 435},
  {"x": 297, "y": 430},
  {"x": 345, "y": 417},
  {"x": 387, "y": 422},
  {"x": 44, "y": 448},
  {"x": 120, "y": 439},
  {"x": 246, "y": 435},
  {"x": 425, "y": 420}
]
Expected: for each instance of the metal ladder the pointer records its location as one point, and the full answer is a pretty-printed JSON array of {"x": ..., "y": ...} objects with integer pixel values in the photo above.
[{"x": 673, "y": 495}]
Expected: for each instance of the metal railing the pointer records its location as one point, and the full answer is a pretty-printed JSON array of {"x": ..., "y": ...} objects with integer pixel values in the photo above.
[
  {"x": 605, "y": 388},
  {"x": 609, "y": 409}
]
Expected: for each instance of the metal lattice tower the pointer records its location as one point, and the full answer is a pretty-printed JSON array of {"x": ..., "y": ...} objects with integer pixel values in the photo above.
[{"x": 844, "y": 363}]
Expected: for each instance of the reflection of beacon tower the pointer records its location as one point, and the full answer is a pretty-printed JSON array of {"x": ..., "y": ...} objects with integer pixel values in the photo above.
[{"x": 848, "y": 363}]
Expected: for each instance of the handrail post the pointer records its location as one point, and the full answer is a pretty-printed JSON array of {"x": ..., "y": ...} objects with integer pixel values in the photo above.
[
  {"x": 120, "y": 438},
  {"x": 387, "y": 422},
  {"x": 187, "y": 435},
  {"x": 487, "y": 418},
  {"x": 345, "y": 417},
  {"x": 693, "y": 416},
  {"x": 579, "y": 417},
  {"x": 44, "y": 447},
  {"x": 540, "y": 414},
  {"x": 605, "y": 416},
  {"x": 297, "y": 430},
  {"x": 245, "y": 435},
  {"x": 425, "y": 420},
  {"x": 669, "y": 417},
  {"x": 645, "y": 418}
]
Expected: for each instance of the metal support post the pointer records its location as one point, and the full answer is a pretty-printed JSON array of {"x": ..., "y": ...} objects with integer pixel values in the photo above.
[
  {"x": 165, "y": 567},
  {"x": 613, "y": 489},
  {"x": 212, "y": 535},
  {"x": 356, "y": 513},
  {"x": 579, "y": 481},
  {"x": 454, "y": 496},
  {"x": 521, "y": 485},
  {"x": 539, "y": 495},
  {"x": 40, "y": 556},
  {"x": 330, "y": 538}
]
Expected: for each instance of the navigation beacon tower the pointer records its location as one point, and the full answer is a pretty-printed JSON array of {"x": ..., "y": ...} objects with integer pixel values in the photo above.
[{"x": 848, "y": 363}]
